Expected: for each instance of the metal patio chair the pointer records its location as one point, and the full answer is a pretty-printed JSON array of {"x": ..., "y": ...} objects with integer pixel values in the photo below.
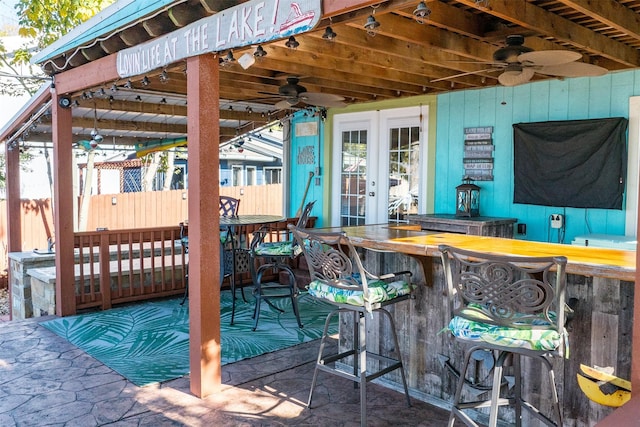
[{"x": 275, "y": 257}]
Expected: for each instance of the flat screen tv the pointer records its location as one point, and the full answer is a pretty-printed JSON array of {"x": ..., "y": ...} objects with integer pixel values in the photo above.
[{"x": 571, "y": 163}]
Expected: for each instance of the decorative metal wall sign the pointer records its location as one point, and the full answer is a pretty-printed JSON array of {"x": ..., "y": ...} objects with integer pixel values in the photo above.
[{"x": 253, "y": 22}]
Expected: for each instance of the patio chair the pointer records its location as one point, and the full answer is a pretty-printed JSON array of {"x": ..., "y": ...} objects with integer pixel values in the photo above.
[
  {"x": 226, "y": 261},
  {"x": 229, "y": 206},
  {"x": 338, "y": 277},
  {"x": 276, "y": 257},
  {"x": 504, "y": 308}
]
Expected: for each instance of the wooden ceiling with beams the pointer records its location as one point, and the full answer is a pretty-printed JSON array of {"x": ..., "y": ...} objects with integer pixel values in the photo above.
[{"x": 452, "y": 48}]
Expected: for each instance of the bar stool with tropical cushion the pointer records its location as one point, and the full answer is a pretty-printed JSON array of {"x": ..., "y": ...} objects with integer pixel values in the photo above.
[
  {"x": 338, "y": 277},
  {"x": 275, "y": 256},
  {"x": 504, "y": 308}
]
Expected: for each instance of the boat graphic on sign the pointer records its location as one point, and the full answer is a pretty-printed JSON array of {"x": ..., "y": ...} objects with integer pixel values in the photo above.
[{"x": 296, "y": 20}]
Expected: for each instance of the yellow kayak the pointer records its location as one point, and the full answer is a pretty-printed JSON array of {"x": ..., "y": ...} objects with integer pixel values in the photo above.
[{"x": 602, "y": 387}]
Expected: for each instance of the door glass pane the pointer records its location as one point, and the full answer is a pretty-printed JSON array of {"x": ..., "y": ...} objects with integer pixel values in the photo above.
[
  {"x": 404, "y": 157},
  {"x": 353, "y": 177}
]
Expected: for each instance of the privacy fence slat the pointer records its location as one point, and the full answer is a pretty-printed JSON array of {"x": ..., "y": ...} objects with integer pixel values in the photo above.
[{"x": 125, "y": 211}]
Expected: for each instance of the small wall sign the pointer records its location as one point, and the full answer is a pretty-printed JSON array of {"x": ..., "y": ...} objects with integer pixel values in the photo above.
[
  {"x": 307, "y": 129},
  {"x": 478, "y": 153}
]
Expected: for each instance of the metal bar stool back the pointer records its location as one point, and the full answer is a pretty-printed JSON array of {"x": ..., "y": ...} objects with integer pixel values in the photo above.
[{"x": 504, "y": 308}]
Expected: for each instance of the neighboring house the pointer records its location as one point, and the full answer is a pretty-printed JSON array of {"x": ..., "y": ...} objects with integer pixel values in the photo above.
[{"x": 254, "y": 159}]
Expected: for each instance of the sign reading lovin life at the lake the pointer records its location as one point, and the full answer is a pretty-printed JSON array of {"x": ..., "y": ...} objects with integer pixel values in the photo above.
[{"x": 253, "y": 22}]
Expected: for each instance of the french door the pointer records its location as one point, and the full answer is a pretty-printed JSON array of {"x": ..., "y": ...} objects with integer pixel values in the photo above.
[{"x": 377, "y": 176}]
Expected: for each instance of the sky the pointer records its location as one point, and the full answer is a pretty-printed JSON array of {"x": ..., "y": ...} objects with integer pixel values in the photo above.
[{"x": 7, "y": 12}]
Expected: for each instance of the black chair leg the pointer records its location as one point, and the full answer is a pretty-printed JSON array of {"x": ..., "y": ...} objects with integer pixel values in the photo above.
[{"x": 186, "y": 288}]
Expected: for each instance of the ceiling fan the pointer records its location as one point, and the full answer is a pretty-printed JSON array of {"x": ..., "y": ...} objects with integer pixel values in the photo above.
[
  {"x": 292, "y": 93},
  {"x": 519, "y": 63}
]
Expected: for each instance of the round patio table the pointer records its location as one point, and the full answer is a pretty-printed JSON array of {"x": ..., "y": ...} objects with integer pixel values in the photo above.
[{"x": 241, "y": 220}]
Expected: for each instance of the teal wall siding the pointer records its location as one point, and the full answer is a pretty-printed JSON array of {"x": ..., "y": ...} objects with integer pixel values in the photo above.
[
  {"x": 501, "y": 107},
  {"x": 306, "y": 156}
]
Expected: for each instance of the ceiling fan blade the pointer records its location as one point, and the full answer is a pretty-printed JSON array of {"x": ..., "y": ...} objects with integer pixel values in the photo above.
[
  {"x": 574, "y": 69},
  {"x": 286, "y": 103},
  {"x": 514, "y": 78},
  {"x": 486, "y": 70},
  {"x": 322, "y": 99},
  {"x": 549, "y": 57}
]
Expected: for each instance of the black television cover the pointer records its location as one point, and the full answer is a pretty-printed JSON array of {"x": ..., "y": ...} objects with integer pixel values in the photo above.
[{"x": 571, "y": 163}]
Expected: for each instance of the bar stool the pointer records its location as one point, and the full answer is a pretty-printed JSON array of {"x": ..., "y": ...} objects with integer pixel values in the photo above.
[
  {"x": 275, "y": 257},
  {"x": 338, "y": 277},
  {"x": 509, "y": 307}
]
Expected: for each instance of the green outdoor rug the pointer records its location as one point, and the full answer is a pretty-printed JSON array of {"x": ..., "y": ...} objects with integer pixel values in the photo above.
[{"x": 149, "y": 342}]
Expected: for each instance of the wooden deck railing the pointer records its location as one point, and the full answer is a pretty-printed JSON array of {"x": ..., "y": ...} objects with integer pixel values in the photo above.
[
  {"x": 120, "y": 266},
  {"x": 128, "y": 265}
]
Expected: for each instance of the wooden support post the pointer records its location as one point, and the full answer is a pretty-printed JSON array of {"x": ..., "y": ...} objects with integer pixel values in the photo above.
[
  {"x": 63, "y": 208},
  {"x": 203, "y": 136}
]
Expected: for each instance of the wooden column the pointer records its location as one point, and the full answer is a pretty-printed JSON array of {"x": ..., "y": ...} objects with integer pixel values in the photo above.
[
  {"x": 203, "y": 135},
  {"x": 14, "y": 211},
  {"x": 63, "y": 208}
]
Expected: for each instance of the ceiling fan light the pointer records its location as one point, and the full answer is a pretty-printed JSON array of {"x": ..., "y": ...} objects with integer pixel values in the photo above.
[
  {"x": 421, "y": 12},
  {"x": 513, "y": 76}
]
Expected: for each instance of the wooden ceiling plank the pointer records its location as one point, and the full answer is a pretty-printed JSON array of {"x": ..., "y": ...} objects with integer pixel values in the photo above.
[
  {"x": 525, "y": 14},
  {"x": 338, "y": 11},
  {"x": 610, "y": 13},
  {"x": 348, "y": 70},
  {"x": 214, "y": 6},
  {"x": 105, "y": 126},
  {"x": 404, "y": 56},
  {"x": 183, "y": 14},
  {"x": 450, "y": 18},
  {"x": 158, "y": 25}
]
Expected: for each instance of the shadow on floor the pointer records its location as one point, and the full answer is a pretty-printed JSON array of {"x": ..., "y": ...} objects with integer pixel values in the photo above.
[{"x": 43, "y": 378}]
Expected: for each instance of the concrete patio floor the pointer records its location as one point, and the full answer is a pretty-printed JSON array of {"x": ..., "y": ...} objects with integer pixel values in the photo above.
[{"x": 46, "y": 381}]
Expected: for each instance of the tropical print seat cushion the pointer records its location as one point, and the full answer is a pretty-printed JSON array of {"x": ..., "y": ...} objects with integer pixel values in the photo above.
[
  {"x": 224, "y": 236},
  {"x": 275, "y": 249},
  {"x": 379, "y": 291},
  {"x": 541, "y": 336}
]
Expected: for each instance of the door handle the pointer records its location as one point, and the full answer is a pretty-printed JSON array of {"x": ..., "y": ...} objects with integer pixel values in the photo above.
[{"x": 372, "y": 193}]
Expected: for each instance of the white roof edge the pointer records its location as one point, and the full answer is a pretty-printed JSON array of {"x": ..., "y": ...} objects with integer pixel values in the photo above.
[{"x": 27, "y": 105}]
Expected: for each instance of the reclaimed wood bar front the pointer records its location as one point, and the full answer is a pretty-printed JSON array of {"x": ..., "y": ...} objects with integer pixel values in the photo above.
[{"x": 600, "y": 289}]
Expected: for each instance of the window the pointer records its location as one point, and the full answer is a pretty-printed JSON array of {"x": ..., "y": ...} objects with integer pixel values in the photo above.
[
  {"x": 272, "y": 175},
  {"x": 251, "y": 175},
  {"x": 236, "y": 176}
]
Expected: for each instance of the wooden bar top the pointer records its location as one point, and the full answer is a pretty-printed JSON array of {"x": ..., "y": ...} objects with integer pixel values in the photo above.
[{"x": 409, "y": 239}]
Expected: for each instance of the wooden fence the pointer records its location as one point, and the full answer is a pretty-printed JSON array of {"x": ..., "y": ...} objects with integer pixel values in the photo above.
[{"x": 129, "y": 211}]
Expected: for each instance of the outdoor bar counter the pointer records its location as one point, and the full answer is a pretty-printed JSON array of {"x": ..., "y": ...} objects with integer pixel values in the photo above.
[{"x": 600, "y": 287}]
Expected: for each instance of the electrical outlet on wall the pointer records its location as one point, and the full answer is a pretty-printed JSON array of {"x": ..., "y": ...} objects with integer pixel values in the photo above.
[{"x": 557, "y": 221}]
